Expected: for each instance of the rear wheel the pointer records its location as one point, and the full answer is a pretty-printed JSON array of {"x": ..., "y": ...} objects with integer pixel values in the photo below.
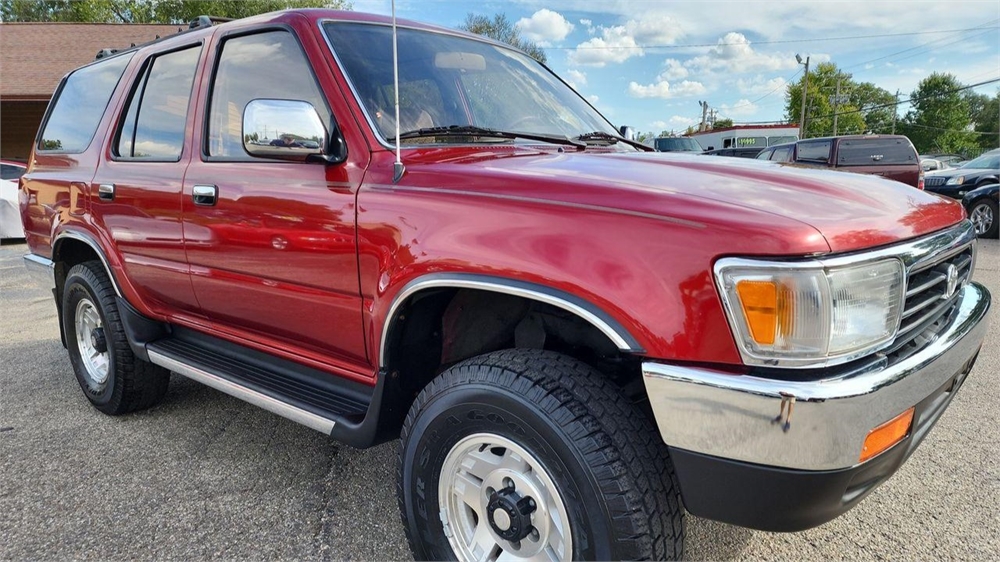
[
  {"x": 110, "y": 375},
  {"x": 526, "y": 454},
  {"x": 983, "y": 214}
]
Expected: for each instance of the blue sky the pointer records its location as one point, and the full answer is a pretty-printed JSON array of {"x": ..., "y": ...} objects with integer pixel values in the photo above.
[{"x": 647, "y": 63}]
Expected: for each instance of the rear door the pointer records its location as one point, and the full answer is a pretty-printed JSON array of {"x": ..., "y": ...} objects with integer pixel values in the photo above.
[
  {"x": 271, "y": 243},
  {"x": 136, "y": 194},
  {"x": 890, "y": 157}
]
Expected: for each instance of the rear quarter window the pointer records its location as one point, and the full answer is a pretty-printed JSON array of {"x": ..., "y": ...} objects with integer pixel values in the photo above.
[
  {"x": 813, "y": 151},
  {"x": 876, "y": 152},
  {"x": 79, "y": 105}
]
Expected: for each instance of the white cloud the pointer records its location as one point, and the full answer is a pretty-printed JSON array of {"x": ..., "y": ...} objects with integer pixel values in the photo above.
[
  {"x": 618, "y": 43},
  {"x": 576, "y": 78},
  {"x": 733, "y": 53},
  {"x": 615, "y": 45},
  {"x": 742, "y": 108},
  {"x": 544, "y": 27},
  {"x": 655, "y": 30},
  {"x": 593, "y": 99},
  {"x": 674, "y": 70},
  {"x": 758, "y": 85},
  {"x": 662, "y": 89}
]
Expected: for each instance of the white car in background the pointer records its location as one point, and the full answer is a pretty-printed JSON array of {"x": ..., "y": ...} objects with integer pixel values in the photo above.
[{"x": 10, "y": 215}]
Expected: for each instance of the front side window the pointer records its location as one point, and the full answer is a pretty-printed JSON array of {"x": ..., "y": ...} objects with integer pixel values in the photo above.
[
  {"x": 268, "y": 65},
  {"x": 782, "y": 154},
  {"x": 447, "y": 80},
  {"x": 156, "y": 118},
  {"x": 79, "y": 106},
  {"x": 10, "y": 172}
]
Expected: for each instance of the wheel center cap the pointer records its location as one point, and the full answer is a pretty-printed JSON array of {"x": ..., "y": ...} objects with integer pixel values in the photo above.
[
  {"x": 501, "y": 520},
  {"x": 510, "y": 514},
  {"x": 98, "y": 341}
]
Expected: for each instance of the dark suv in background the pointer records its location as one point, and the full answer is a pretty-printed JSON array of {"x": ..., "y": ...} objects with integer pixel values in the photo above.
[{"x": 889, "y": 156}]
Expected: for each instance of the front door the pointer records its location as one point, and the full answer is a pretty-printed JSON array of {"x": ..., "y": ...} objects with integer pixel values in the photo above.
[{"x": 275, "y": 266}]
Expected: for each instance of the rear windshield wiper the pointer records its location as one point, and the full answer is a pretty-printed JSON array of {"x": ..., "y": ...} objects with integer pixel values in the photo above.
[
  {"x": 473, "y": 131},
  {"x": 610, "y": 139}
]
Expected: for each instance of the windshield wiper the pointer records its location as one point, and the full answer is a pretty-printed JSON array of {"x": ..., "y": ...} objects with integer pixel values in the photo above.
[
  {"x": 610, "y": 139},
  {"x": 473, "y": 131}
]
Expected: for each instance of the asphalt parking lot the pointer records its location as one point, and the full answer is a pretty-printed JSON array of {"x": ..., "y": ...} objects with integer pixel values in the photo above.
[{"x": 206, "y": 476}]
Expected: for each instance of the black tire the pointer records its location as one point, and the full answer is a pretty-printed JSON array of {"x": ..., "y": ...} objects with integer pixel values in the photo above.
[
  {"x": 603, "y": 454},
  {"x": 130, "y": 383},
  {"x": 989, "y": 205}
]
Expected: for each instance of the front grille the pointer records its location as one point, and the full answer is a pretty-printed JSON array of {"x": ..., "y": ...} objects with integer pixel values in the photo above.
[
  {"x": 934, "y": 181},
  {"x": 927, "y": 294}
]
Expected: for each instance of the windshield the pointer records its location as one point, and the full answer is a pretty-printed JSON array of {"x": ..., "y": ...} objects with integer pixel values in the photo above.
[
  {"x": 676, "y": 144},
  {"x": 445, "y": 80},
  {"x": 984, "y": 162}
]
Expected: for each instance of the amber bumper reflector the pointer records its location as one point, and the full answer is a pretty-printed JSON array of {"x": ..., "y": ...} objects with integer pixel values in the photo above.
[{"x": 887, "y": 435}]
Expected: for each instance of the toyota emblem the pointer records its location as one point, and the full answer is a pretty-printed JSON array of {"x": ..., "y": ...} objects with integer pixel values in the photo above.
[{"x": 951, "y": 282}]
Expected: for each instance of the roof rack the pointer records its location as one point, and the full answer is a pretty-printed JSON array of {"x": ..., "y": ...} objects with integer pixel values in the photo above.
[{"x": 199, "y": 22}]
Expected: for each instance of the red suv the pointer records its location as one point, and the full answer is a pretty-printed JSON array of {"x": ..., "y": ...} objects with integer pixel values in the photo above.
[
  {"x": 890, "y": 156},
  {"x": 576, "y": 339}
]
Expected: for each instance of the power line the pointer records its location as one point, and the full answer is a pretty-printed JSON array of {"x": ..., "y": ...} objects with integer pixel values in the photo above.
[
  {"x": 911, "y": 101},
  {"x": 890, "y": 55},
  {"x": 774, "y": 42},
  {"x": 990, "y": 133}
]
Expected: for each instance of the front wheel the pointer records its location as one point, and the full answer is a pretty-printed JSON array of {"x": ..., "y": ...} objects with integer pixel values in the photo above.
[
  {"x": 526, "y": 454},
  {"x": 983, "y": 214}
]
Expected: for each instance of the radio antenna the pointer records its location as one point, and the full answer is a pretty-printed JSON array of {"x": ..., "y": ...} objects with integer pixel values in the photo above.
[{"x": 397, "y": 168}]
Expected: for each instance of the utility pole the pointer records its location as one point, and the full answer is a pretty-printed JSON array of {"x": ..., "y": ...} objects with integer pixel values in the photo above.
[
  {"x": 704, "y": 115},
  {"x": 805, "y": 90},
  {"x": 895, "y": 110},
  {"x": 836, "y": 108}
]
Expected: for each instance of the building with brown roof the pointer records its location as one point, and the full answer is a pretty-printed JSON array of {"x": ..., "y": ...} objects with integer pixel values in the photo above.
[{"x": 33, "y": 59}]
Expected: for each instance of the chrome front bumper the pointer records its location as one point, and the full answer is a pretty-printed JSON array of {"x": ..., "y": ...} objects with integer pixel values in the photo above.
[{"x": 742, "y": 417}]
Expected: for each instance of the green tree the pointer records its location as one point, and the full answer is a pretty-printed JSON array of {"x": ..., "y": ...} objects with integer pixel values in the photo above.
[
  {"x": 876, "y": 106},
  {"x": 147, "y": 11},
  {"x": 939, "y": 119},
  {"x": 984, "y": 112},
  {"x": 723, "y": 123},
  {"x": 820, "y": 108},
  {"x": 499, "y": 28}
]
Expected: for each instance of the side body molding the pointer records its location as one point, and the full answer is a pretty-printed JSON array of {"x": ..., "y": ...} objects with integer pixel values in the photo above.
[{"x": 532, "y": 291}]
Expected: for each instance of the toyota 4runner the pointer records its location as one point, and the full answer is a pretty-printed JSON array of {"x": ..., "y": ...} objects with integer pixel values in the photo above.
[{"x": 575, "y": 339}]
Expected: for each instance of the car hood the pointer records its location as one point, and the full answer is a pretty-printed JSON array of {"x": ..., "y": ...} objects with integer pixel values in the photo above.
[{"x": 851, "y": 211}]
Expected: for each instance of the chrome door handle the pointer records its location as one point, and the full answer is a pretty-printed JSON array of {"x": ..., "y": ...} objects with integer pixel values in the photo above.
[
  {"x": 205, "y": 195},
  {"x": 106, "y": 191}
]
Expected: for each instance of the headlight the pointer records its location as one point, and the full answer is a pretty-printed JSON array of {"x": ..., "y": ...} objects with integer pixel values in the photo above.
[
  {"x": 810, "y": 314},
  {"x": 955, "y": 180}
]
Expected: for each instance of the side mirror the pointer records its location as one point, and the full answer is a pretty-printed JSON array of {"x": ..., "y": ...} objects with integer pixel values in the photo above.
[
  {"x": 627, "y": 132},
  {"x": 283, "y": 130}
]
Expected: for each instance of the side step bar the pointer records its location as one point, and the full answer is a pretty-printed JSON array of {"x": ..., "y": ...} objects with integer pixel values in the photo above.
[
  {"x": 283, "y": 409},
  {"x": 313, "y": 398}
]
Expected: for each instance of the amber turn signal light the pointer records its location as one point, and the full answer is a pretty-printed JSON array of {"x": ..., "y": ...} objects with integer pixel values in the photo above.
[
  {"x": 760, "y": 305},
  {"x": 887, "y": 435}
]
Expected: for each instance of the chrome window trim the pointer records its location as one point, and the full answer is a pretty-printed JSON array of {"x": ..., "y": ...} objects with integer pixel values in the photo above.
[
  {"x": 616, "y": 333},
  {"x": 913, "y": 254}
]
